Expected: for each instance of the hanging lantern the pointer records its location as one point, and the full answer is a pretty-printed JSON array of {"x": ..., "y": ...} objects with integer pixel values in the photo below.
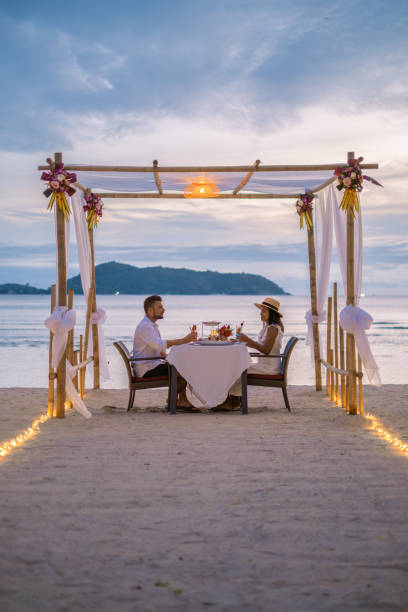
[{"x": 202, "y": 188}]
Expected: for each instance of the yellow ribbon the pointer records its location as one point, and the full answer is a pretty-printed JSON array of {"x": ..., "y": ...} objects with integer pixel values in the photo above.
[
  {"x": 307, "y": 218},
  {"x": 350, "y": 200},
  {"x": 92, "y": 219},
  {"x": 62, "y": 203}
]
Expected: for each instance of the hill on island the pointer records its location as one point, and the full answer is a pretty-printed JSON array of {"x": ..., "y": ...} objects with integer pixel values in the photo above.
[
  {"x": 115, "y": 277},
  {"x": 16, "y": 289}
]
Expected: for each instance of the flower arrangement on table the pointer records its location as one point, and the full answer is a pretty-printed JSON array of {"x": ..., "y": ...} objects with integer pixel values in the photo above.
[
  {"x": 93, "y": 208},
  {"x": 304, "y": 208},
  {"x": 59, "y": 180},
  {"x": 350, "y": 179},
  {"x": 224, "y": 332}
]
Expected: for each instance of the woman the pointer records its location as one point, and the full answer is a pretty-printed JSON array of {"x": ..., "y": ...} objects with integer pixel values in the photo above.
[{"x": 269, "y": 343}]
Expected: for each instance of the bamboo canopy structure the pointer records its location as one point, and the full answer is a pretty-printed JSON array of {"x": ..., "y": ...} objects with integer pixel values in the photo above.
[{"x": 267, "y": 185}]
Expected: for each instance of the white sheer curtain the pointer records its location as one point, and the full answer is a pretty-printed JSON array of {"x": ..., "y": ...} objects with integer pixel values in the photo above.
[
  {"x": 323, "y": 230},
  {"x": 85, "y": 267},
  {"x": 353, "y": 319}
]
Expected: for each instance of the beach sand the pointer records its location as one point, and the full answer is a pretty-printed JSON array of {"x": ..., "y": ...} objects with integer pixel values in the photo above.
[{"x": 147, "y": 511}]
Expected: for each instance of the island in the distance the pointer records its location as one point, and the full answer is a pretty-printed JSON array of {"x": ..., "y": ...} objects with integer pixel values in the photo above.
[{"x": 119, "y": 278}]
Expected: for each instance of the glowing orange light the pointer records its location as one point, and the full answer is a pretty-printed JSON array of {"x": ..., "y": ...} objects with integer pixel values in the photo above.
[
  {"x": 8, "y": 445},
  {"x": 395, "y": 442},
  {"x": 202, "y": 188}
]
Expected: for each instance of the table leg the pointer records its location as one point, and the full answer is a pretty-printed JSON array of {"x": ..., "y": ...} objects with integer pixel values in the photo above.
[
  {"x": 173, "y": 390},
  {"x": 244, "y": 397}
]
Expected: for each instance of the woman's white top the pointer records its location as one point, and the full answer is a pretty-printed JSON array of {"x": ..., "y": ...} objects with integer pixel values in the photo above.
[{"x": 264, "y": 365}]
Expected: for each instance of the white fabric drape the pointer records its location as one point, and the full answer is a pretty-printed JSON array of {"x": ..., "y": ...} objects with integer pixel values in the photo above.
[
  {"x": 85, "y": 267},
  {"x": 353, "y": 319},
  {"x": 323, "y": 230},
  {"x": 60, "y": 322}
]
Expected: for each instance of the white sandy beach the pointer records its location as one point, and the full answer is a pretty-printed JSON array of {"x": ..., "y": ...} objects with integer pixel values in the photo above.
[{"x": 147, "y": 511}]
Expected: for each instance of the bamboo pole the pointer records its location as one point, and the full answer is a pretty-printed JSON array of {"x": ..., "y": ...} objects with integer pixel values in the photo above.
[
  {"x": 150, "y": 169},
  {"x": 75, "y": 362},
  {"x": 351, "y": 350},
  {"x": 313, "y": 305},
  {"x": 342, "y": 366},
  {"x": 95, "y": 338},
  {"x": 247, "y": 177},
  {"x": 81, "y": 356},
  {"x": 157, "y": 177},
  {"x": 61, "y": 299},
  {"x": 336, "y": 343},
  {"x": 328, "y": 342},
  {"x": 360, "y": 386},
  {"x": 86, "y": 338},
  {"x": 51, "y": 374},
  {"x": 323, "y": 185},
  {"x": 70, "y": 341},
  {"x": 332, "y": 375}
]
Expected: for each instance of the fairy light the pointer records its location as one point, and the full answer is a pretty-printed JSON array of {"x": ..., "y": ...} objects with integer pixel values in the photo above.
[
  {"x": 377, "y": 428},
  {"x": 34, "y": 429}
]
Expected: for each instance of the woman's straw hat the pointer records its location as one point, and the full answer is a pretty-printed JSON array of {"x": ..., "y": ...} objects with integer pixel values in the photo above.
[{"x": 271, "y": 304}]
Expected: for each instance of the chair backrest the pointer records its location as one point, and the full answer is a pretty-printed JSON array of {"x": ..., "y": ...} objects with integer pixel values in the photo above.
[
  {"x": 286, "y": 355},
  {"x": 124, "y": 353}
]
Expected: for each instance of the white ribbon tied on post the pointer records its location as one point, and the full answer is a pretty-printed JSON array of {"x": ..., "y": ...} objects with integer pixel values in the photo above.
[
  {"x": 99, "y": 318},
  {"x": 60, "y": 323},
  {"x": 355, "y": 321}
]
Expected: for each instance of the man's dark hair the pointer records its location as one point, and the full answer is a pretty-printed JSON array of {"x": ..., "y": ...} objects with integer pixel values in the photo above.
[{"x": 149, "y": 301}]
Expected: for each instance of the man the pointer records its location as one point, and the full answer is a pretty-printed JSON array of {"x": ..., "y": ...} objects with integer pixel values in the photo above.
[{"x": 147, "y": 342}]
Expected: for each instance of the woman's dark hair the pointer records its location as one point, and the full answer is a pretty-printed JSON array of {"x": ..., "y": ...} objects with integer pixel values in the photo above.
[
  {"x": 149, "y": 301},
  {"x": 274, "y": 318}
]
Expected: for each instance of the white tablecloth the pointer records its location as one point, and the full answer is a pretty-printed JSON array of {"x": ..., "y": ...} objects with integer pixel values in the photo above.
[{"x": 210, "y": 370}]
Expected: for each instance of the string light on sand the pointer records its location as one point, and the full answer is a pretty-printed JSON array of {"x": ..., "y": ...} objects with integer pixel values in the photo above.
[
  {"x": 377, "y": 428},
  {"x": 34, "y": 429}
]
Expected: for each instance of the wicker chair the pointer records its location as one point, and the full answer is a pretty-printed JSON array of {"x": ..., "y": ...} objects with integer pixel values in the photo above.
[
  {"x": 274, "y": 380},
  {"x": 136, "y": 383}
]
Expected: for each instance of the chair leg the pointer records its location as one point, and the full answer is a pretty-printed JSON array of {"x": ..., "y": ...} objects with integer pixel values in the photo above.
[
  {"x": 131, "y": 399},
  {"x": 285, "y": 397}
]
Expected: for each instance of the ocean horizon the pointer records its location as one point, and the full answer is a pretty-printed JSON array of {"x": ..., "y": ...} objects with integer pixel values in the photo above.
[{"x": 24, "y": 339}]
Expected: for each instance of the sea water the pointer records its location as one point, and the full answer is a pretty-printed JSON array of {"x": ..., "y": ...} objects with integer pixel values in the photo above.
[{"x": 24, "y": 339}]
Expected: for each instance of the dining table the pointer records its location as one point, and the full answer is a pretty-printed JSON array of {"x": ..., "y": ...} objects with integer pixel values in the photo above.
[{"x": 210, "y": 369}]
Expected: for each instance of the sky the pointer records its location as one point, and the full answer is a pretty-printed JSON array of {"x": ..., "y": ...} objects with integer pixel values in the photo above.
[{"x": 204, "y": 82}]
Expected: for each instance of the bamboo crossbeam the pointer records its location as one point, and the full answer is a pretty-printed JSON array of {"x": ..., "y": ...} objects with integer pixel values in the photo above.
[
  {"x": 157, "y": 177},
  {"x": 180, "y": 196},
  {"x": 150, "y": 169},
  {"x": 325, "y": 184},
  {"x": 80, "y": 187},
  {"x": 247, "y": 177}
]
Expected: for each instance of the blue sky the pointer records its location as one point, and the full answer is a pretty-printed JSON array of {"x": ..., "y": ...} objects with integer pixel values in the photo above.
[{"x": 203, "y": 82}]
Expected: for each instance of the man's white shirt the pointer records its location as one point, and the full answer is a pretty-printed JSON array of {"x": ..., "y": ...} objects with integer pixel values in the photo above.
[{"x": 147, "y": 342}]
